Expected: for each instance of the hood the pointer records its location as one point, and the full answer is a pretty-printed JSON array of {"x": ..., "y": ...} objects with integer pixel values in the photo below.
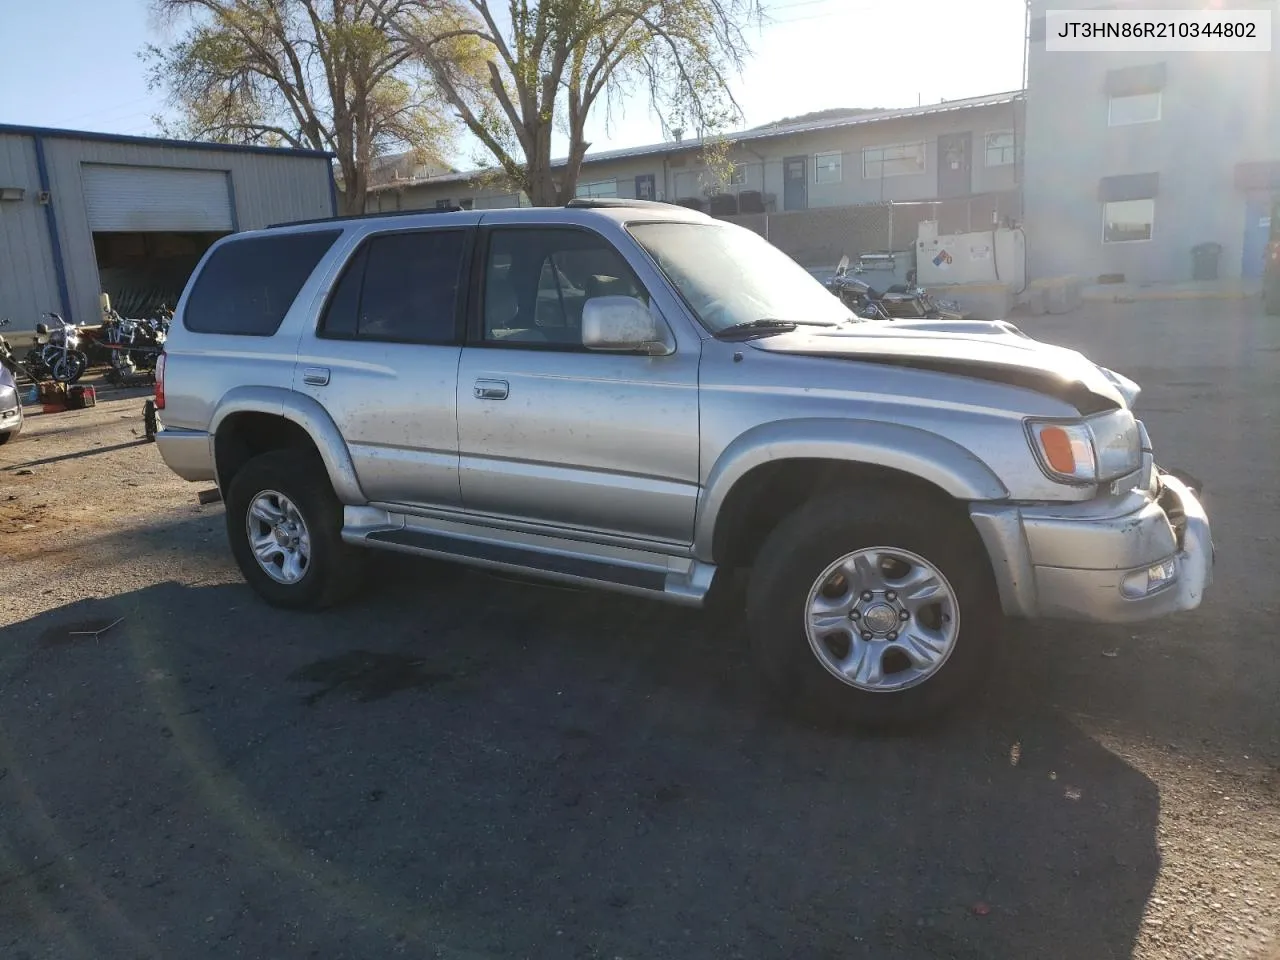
[{"x": 994, "y": 351}]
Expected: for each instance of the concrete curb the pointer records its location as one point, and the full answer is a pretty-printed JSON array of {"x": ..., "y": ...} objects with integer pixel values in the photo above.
[{"x": 1120, "y": 298}]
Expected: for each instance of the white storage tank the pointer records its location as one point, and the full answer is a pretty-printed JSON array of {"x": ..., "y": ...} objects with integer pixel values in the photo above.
[{"x": 983, "y": 256}]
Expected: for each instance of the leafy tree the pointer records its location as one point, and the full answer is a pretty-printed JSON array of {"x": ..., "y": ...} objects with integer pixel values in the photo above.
[
  {"x": 335, "y": 75},
  {"x": 534, "y": 67}
]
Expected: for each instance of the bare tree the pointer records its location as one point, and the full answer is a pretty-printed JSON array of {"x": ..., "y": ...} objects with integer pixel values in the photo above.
[
  {"x": 334, "y": 75},
  {"x": 533, "y": 67}
]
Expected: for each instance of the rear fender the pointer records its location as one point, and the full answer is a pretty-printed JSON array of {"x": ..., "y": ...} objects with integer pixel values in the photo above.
[{"x": 311, "y": 417}]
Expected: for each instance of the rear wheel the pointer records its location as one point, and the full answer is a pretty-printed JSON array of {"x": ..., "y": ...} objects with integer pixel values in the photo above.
[
  {"x": 873, "y": 608},
  {"x": 285, "y": 526}
]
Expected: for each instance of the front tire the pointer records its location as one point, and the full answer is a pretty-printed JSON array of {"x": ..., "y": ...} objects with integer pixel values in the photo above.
[
  {"x": 873, "y": 608},
  {"x": 285, "y": 526},
  {"x": 69, "y": 367}
]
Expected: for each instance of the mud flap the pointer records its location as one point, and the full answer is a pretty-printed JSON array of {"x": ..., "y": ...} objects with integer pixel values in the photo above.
[
  {"x": 150, "y": 420},
  {"x": 1195, "y": 485}
]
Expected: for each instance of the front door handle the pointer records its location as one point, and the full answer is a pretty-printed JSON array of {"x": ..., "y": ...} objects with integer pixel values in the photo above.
[
  {"x": 491, "y": 389},
  {"x": 315, "y": 376}
]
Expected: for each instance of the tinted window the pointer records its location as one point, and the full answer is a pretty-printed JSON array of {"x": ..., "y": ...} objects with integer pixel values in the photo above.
[
  {"x": 344, "y": 305},
  {"x": 402, "y": 287},
  {"x": 248, "y": 285},
  {"x": 537, "y": 282}
]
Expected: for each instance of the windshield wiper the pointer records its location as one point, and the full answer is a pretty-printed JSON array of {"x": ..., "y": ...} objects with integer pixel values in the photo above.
[{"x": 750, "y": 329}]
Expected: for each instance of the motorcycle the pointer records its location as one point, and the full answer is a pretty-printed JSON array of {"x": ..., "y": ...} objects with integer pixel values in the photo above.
[
  {"x": 56, "y": 353},
  {"x": 132, "y": 345},
  {"x": 7, "y": 358},
  {"x": 908, "y": 301}
]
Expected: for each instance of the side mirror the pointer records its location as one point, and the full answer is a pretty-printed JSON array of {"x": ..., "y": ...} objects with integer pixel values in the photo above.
[{"x": 623, "y": 325}]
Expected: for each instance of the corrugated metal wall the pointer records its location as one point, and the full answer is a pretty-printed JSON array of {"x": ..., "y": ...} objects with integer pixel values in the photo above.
[
  {"x": 268, "y": 189},
  {"x": 28, "y": 283}
]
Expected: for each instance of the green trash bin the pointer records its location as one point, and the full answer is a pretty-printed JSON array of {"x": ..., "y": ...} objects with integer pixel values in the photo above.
[{"x": 1204, "y": 261}]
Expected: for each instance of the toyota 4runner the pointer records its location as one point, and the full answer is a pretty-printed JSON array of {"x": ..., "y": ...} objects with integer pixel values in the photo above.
[{"x": 637, "y": 397}]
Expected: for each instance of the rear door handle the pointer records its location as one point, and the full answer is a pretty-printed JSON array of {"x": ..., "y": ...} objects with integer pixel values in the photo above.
[
  {"x": 315, "y": 376},
  {"x": 491, "y": 389}
]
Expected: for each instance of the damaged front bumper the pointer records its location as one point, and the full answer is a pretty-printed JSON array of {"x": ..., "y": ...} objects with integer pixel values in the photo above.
[{"x": 1141, "y": 555}]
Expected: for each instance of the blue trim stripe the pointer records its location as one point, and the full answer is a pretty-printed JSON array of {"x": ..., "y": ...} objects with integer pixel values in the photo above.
[
  {"x": 231, "y": 195},
  {"x": 51, "y": 218},
  {"x": 52, "y": 133}
]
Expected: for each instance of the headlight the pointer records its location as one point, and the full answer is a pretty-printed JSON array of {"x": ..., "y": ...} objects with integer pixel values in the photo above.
[{"x": 1089, "y": 451}]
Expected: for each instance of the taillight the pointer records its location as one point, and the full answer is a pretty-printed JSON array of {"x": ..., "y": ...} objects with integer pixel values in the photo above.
[{"x": 160, "y": 381}]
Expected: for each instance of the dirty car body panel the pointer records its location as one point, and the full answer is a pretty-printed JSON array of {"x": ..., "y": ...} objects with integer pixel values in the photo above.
[
  {"x": 10, "y": 404},
  {"x": 614, "y": 469}
]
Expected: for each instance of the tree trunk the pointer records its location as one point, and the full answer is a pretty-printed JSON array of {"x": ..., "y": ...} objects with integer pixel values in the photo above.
[
  {"x": 542, "y": 186},
  {"x": 351, "y": 201}
]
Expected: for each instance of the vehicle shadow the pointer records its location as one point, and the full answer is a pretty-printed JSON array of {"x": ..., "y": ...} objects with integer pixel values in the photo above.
[{"x": 460, "y": 766}]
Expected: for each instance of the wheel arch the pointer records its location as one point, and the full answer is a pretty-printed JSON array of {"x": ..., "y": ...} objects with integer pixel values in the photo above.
[
  {"x": 770, "y": 470},
  {"x": 253, "y": 420}
]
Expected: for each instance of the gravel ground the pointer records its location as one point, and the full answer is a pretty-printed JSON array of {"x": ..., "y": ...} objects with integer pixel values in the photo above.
[{"x": 461, "y": 766}]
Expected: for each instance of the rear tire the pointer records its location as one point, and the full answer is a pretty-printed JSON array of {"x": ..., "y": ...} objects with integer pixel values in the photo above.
[
  {"x": 297, "y": 526},
  {"x": 821, "y": 660}
]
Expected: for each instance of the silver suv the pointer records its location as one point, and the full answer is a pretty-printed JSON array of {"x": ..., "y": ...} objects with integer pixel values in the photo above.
[{"x": 637, "y": 397}]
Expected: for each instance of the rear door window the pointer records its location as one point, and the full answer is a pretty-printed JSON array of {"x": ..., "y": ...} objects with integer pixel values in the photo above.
[
  {"x": 247, "y": 286},
  {"x": 401, "y": 288}
]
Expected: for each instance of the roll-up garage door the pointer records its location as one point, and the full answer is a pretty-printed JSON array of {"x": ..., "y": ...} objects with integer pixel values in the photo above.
[{"x": 144, "y": 199}]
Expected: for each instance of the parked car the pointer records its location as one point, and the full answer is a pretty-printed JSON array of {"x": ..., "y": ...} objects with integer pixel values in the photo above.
[
  {"x": 10, "y": 406},
  {"x": 637, "y": 397}
]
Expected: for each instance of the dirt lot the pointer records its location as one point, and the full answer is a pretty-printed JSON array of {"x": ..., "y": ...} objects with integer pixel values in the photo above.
[{"x": 459, "y": 766}]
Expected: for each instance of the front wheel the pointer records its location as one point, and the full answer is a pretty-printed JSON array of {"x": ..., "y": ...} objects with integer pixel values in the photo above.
[
  {"x": 69, "y": 366},
  {"x": 873, "y": 608},
  {"x": 285, "y": 526}
]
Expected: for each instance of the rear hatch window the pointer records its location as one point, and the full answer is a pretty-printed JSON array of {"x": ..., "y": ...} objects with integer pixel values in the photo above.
[{"x": 247, "y": 286}]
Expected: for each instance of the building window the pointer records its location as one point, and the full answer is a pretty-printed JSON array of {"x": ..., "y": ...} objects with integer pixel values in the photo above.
[
  {"x": 1138, "y": 108},
  {"x": 738, "y": 175},
  {"x": 898, "y": 160},
  {"x": 826, "y": 167},
  {"x": 1127, "y": 221},
  {"x": 1001, "y": 149},
  {"x": 599, "y": 190}
]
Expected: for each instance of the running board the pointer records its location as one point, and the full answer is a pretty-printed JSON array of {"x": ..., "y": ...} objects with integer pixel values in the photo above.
[{"x": 679, "y": 580}]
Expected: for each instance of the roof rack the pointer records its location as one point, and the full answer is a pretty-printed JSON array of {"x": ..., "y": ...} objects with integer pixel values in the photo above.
[
  {"x": 369, "y": 216},
  {"x": 604, "y": 203}
]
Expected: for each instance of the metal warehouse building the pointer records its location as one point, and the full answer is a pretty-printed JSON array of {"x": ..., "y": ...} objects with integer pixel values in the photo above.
[{"x": 82, "y": 214}]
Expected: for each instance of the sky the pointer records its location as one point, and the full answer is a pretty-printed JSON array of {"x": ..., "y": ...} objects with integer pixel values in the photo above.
[{"x": 77, "y": 65}]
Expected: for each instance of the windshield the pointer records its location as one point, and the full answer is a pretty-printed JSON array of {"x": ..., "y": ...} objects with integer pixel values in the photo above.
[{"x": 729, "y": 275}]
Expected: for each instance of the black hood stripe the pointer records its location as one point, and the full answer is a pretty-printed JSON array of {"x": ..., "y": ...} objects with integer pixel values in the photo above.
[{"x": 1086, "y": 401}]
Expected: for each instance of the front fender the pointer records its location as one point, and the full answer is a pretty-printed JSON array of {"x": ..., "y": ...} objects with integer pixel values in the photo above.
[
  {"x": 311, "y": 417},
  {"x": 911, "y": 450}
]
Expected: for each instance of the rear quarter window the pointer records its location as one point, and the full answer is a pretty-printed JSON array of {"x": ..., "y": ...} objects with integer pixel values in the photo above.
[{"x": 247, "y": 286}]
